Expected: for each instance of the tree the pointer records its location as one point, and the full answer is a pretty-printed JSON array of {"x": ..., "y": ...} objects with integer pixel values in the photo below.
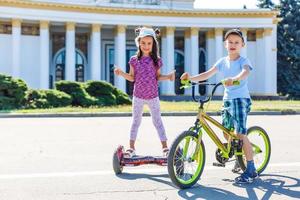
[
  {"x": 288, "y": 43},
  {"x": 265, "y": 4}
]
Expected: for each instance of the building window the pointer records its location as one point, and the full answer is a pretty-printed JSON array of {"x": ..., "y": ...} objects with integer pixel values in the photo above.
[
  {"x": 59, "y": 71},
  {"x": 202, "y": 68},
  {"x": 30, "y": 29},
  {"x": 179, "y": 61},
  {"x": 79, "y": 68},
  {"x": 5, "y": 28},
  {"x": 129, "y": 53},
  {"x": 251, "y": 35},
  {"x": 109, "y": 63},
  {"x": 179, "y": 67},
  {"x": 60, "y": 66}
]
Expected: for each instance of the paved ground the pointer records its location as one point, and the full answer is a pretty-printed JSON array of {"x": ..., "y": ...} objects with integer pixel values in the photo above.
[{"x": 70, "y": 158}]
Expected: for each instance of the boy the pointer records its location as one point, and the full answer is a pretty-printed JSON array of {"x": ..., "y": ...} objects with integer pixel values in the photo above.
[{"x": 236, "y": 99}]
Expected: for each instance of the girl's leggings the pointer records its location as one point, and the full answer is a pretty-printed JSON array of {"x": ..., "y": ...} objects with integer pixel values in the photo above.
[{"x": 137, "y": 113}]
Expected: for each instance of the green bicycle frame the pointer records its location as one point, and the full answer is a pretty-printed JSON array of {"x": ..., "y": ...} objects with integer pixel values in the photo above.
[{"x": 203, "y": 119}]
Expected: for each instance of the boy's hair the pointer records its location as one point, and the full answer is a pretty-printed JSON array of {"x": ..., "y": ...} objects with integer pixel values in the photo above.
[
  {"x": 146, "y": 32},
  {"x": 234, "y": 31}
]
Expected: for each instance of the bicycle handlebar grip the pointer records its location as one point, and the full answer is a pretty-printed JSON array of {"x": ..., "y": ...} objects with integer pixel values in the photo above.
[{"x": 236, "y": 82}]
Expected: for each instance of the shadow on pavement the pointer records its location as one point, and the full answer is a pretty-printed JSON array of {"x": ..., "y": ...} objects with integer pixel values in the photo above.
[
  {"x": 203, "y": 192},
  {"x": 154, "y": 177},
  {"x": 269, "y": 184},
  {"x": 273, "y": 184},
  {"x": 195, "y": 192}
]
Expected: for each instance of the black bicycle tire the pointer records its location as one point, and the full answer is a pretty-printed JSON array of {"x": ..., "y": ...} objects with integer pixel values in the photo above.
[
  {"x": 240, "y": 157},
  {"x": 171, "y": 160}
]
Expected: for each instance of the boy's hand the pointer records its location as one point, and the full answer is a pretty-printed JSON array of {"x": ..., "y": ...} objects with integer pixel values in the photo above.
[
  {"x": 228, "y": 82},
  {"x": 172, "y": 75},
  {"x": 185, "y": 76},
  {"x": 117, "y": 70}
]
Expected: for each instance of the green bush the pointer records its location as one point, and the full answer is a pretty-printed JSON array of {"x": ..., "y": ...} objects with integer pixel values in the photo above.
[
  {"x": 12, "y": 92},
  {"x": 122, "y": 97},
  {"x": 57, "y": 98},
  {"x": 77, "y": 91},
  {"x": 107, "y": 100},
  {"x": 102, "y": 91},
  {"x": 7, "y": 103},
  {"x": 106, "y": 93},
  {"x": 99, "y": 88},
  {"x": 47, "y": 99}
]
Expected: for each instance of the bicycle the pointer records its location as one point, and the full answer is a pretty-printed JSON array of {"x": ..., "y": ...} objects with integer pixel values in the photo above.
[{"x": 186, "y": 158}]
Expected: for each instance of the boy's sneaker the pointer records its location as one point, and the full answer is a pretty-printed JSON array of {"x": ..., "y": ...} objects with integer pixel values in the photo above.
[
  {"x": 165, "y": 152},
  {"x": 129, "y": 153},
  {"x": 246, "y": 177}
]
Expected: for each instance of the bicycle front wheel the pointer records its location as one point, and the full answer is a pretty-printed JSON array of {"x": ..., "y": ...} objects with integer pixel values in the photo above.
[
  {"x": 261, "y": 147},
  {"x": 186, "y": 160}
]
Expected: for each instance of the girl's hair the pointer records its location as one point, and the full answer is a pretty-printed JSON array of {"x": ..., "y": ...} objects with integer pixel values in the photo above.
[{"x": 155, "y": 47}]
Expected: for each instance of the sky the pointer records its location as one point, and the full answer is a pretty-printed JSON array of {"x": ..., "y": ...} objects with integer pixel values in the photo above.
[{"x": 227, "y": 4}]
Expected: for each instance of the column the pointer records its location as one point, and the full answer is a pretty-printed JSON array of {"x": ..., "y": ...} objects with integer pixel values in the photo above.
[
  {"x": 164, "y": 70},
  {"x": 120, "y": 55},
  {"x": 269, "y": 68},
  {"x": 210, "y": 46},
  {"x": 259, "y": 70},
  {"x": 44, "y": 55},
  {"x": 244, "y": 49},
  {"x": 187, "y": 55},
  {"x": 70, "y": 52},
  {"x": 219, "y": 47},
  {"x": 195, "y": 50},
  {"x": 274, "y": 59},
  {"x": 168, "y": 87},
  {"x": 195, "y": 53},
  {"x": 16, "y": 48},
  {"x": 95, "y": 72}
]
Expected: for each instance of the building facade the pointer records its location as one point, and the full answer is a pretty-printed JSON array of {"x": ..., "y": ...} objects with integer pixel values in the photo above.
[{"x": 46, "y": 41}]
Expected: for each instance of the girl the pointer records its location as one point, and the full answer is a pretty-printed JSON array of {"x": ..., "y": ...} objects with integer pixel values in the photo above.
[{"x": 145, "y": 73}]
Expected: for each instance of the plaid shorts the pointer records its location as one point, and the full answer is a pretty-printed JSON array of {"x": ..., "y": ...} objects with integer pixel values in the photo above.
[{"x": 234, "y": 114}]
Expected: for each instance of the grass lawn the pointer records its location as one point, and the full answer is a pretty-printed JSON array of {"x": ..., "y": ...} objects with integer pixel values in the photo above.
[{"x": 186, "y": 106}]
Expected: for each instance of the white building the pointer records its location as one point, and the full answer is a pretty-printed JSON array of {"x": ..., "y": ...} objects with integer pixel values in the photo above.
[{"x": 42, "y": 41}]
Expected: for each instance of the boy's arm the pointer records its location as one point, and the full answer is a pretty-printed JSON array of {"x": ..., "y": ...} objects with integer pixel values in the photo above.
[
  {"x": 241, "y": 76},
  {"x": 200, "y": 77},
  {"x": 244, "y": 73},
  {"x": 161, "y": 77},
  {"x": 128, "y": 76}
]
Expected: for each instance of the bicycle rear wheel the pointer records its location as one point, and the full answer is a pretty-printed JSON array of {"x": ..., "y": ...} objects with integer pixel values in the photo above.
[
  {"x": 186, "y": 160},
  {"x": 261, "y": 146}
]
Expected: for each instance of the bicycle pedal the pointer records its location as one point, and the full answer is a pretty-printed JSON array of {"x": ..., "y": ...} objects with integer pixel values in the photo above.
[{"x": 218, "y": 164}]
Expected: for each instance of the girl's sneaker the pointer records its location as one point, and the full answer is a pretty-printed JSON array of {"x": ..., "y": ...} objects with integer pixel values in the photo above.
[
  {"x": 129, "y": 153},
  {"x": 165, "y": 152}
]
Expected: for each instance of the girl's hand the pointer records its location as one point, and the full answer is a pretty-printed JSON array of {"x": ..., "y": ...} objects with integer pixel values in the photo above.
[
  {"x": 172, "y": 75},
  {"x": 185, "y": 76},
  {"x": 117, "y": 71}
]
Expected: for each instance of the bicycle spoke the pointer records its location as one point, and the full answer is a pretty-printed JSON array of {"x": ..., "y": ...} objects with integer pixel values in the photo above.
[{"x": 187, "y": 160}]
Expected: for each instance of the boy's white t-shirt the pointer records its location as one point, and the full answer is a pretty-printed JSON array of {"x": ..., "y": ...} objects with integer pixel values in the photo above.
[{"x": 230, "y": 69}]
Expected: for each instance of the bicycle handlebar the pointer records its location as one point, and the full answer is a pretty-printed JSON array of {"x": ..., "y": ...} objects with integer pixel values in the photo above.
[
  {"x": 207, "y": 98},
  {"x": 216, "y": 85}
]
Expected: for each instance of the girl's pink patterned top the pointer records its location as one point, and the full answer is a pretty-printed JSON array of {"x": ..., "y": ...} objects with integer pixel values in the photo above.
[{"x": 145, "y": 80}]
